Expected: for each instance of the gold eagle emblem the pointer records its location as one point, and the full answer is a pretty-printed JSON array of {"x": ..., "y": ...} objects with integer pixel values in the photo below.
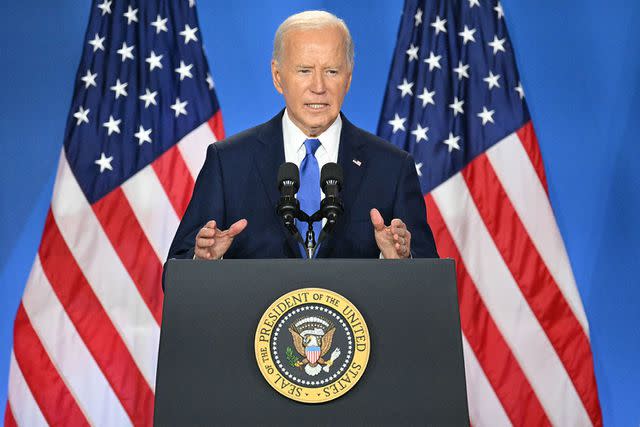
[{"x": 312, "y": 339}]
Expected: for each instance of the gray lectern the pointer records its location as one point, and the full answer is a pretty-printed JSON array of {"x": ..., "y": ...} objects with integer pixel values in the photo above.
[{"x": 207, "y": 370}]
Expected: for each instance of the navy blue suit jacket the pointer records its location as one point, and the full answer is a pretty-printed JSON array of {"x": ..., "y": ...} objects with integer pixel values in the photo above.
[{"x": 239, "y": 180}]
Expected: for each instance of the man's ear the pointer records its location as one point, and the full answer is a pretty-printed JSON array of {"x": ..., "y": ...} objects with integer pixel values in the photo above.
[{"x": 275, "y": 75}]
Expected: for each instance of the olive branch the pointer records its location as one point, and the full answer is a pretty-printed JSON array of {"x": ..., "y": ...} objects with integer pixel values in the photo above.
[{"x": 292, "y": 358}]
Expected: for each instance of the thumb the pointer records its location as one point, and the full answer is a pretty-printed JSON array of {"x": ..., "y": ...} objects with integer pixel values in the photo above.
[
  {"x": 376, "y": 219},
  {"x": 237, "y": 227}
]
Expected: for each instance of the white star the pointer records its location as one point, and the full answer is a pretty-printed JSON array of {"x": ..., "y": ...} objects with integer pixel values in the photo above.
[
  {"x": 160, "y": 24},
  {"x": 457, "y": 106},
  {"x": 419, "y": 169},
  {"x": 143, "y": 135},
  {"x": 412, "y": 52},
  {"x": 125, "y": 51},
  {"x": 81, "y": 115},
  {"x": 209, "y": 80},
  {"x": 112, "y": 125},
  {"x": 89, "y": 79},
  {"x": 486, "y": 116},
  {"x": 499, "y": 10},
  {"x": 149, "y": 98},
  {"x": 154, "y": 61},
  {"x": 397, "y": 123},
  {"x": 433, "y": 61},
  {"x": 179, "y": 107},
  {"x": 420, "y": 133},
  {"x": 418, "y": 17},
  {"x": 405, "y": 87},
  {"x": 438, "y": 24},
  {"x": 189, "y": 34},
  {"x": 192, "y": 3},
  {"x": 467, "y": 35},
  {"x": 461, "y": 70},
  {"x": 105, "y": 6},
  {"x": 97, "y": 42},
  {"x": 474, "y": 3},
  {"x": 119, "y": 88},
  {"x": 427, "y": 97},
  {"x": 131, "y": 15},
  {"x": 104, "y": 162},
  {"x": 452, "y": 142},
  {"x": 497, "y": 44},
  {"x": 184, "y": 70},
  {"x": 492, "y": 80},
  {"x": 520, "y": 90}
]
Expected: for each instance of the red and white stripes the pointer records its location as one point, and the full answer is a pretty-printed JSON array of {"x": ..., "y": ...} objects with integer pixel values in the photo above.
[
  {"x": 524, "y": 327},
  {"x": 87, "y": 330}
]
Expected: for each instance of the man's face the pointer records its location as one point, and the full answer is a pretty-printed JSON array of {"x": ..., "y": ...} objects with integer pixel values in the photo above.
[{"x": 313, "y": 76}]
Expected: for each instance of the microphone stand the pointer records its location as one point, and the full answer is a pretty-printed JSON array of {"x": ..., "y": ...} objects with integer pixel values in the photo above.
[
  {"x": 309, "y": 243},
  {"x": 330, "y": 209}
]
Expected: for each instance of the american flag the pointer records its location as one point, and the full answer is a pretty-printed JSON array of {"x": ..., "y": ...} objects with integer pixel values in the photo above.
[
  {"x": 455, "y": 101},
  {"x": 143, "y": 112}
]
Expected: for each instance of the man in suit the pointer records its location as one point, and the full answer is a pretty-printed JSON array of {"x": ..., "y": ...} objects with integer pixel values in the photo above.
[{"x": 232, "y": 213}]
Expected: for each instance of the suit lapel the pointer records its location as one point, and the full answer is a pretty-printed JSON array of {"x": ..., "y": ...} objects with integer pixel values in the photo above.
[
  {"x": 267, "y": 159},
  {"x": 352, "y": 159}
]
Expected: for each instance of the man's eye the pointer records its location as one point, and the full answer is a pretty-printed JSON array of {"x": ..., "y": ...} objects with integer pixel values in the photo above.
[
  {"x": 304, "y": 71},
  {"x": 332, "y": 72}
]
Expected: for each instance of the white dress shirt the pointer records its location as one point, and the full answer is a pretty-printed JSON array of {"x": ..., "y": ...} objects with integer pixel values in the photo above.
[{"x": 294, "y": 149}]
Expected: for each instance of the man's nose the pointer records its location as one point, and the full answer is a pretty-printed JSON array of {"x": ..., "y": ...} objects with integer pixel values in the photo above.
[{"x": 318, "y": 85}]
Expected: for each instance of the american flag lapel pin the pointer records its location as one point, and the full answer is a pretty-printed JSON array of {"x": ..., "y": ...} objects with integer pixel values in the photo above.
[{"x": 357, "y": 162}]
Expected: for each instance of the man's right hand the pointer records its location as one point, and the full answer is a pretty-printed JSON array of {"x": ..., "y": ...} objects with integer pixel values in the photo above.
[{"x": 212, "y": 243}]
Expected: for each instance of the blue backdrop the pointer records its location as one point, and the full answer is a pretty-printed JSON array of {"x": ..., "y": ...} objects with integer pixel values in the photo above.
[{"x": 580, "y": 67}]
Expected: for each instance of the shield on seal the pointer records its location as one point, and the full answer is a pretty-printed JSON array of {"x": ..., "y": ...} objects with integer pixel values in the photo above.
[{"x": 312, "y": 353}]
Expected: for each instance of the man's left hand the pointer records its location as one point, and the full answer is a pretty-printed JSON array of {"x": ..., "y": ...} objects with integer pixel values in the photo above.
[{"x": 394, "y": 240}]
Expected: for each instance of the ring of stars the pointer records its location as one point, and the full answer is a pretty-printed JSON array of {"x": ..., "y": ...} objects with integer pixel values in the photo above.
[{"x": 347, "y": 355}]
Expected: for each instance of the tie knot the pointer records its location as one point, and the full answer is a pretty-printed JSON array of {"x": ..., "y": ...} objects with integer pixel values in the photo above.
[{"x": 312, "y": 145}]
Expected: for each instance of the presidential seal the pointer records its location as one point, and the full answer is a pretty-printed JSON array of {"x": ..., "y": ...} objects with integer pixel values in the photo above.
[{"x": 312, "y": 345}]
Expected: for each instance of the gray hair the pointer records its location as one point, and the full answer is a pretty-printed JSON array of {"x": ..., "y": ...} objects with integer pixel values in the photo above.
[{"x": 311, "y": 20}]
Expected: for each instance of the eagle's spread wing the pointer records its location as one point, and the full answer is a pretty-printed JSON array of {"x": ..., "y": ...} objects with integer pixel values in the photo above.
[
  {"x": 297, "y": 341},
  {"x": 326, "y": 341}
]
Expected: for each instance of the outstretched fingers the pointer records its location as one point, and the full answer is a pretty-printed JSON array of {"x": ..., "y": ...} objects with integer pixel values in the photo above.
[
  {"x": 237, "y": 227},
  {"x": 376, "y": 219}
]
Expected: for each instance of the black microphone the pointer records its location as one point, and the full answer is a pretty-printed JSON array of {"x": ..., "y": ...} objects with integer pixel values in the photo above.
[
  {"x": 331, "y": 183},
  {"x": 288, "y": 184}
]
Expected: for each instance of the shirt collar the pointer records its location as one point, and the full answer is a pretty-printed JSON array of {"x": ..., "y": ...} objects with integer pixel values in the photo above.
[{"x": 329, "y": 139}]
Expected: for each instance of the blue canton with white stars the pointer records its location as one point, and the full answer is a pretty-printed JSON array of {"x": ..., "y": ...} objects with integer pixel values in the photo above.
[
  {"x": 453, "y": 89},
  {"x": 143, "y": 83}
]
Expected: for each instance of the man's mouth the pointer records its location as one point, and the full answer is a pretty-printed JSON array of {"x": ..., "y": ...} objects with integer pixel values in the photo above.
[{"x": 318, "y": 106}]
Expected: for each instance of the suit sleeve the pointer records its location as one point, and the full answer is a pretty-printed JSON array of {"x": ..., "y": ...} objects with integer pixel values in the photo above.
[
  {"x": 410, "y": 207},
  {"x": 207, "y": 203}
]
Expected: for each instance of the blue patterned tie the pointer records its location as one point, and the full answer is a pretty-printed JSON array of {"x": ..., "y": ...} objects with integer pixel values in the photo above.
[{"x": 309, "y": 193}]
